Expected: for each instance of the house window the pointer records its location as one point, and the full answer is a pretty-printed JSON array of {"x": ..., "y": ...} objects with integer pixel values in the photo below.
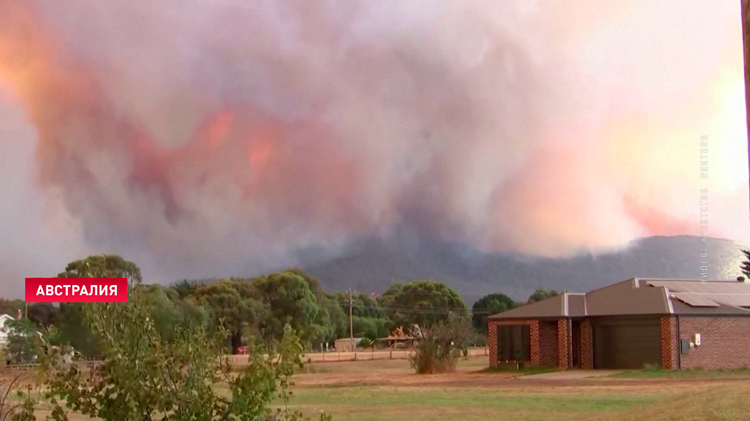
[{"x": 514, "y": 343}]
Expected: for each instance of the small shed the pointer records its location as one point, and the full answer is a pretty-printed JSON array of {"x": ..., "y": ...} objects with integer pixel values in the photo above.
[{"x": 346, "y": 345}]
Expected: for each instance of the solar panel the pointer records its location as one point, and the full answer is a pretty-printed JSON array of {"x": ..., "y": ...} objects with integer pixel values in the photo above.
[
  {"x": 695, "y": 300},
  {"x": 707, "y": 287},
  {"x": 737, "y": 300}
]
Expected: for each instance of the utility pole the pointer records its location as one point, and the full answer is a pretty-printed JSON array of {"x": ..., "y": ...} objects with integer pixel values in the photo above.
[{"x": 351, "y": 323}]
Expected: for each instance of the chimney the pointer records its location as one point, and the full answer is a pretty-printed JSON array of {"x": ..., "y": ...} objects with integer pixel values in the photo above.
[{"x": 740, "y": 279}]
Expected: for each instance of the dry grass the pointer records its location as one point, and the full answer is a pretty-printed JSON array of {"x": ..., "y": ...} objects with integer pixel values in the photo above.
[{"x": 377, "y": 390}]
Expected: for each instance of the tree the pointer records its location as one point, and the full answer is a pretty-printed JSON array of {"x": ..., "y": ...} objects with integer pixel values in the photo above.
[
  {"x": 171, "y": 313},
  {"x": 542, "y": 294},
  {"x": 745, "y": 266},
  {"x": 73, "y": 330},
  {"x": 441, "y": 344},
  {"x": 287, "y": 299},
  {"x": 338, "y": 316},
  {"x": 145, "y": 377},
  {"x": 368, "y": 318},
  {"x": 103, "y": 266},
  {"x": 487, "y": 306},
  {"x": 10, "y": 307},
  {"x": 421, "y": 302},
  {"x": 312, "y": 282},
  {"x": 186, "y": 287},
  {"x": 333, "y": 320},
  {"x": 43, "y": 314},
  {"x": 231, "y": 309},
  {"x": 72, "y": 327},
  {"x": 369, "y": 327},
  {"x": 22, "y": 341}
]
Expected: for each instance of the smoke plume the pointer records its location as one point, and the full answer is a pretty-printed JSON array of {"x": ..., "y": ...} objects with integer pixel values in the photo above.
[{"x": 217, "y": 137}]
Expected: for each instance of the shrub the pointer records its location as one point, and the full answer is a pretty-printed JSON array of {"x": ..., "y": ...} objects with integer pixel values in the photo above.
[
  {"x": 145, "y": 377},
  {"x": 440, "y": 345}
]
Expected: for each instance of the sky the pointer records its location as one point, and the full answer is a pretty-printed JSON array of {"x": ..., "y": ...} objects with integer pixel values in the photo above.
[{"x": 218, "y": 138}]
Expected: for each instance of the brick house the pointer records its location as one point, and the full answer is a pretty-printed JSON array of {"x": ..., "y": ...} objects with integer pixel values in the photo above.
[{"x": 674, "y": 324}]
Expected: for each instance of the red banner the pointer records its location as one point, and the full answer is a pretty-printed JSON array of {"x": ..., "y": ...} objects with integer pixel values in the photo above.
[{"x": 76, "y": 290}]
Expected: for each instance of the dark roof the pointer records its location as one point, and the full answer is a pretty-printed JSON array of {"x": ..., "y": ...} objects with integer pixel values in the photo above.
[{"x": 642, "y": 297}]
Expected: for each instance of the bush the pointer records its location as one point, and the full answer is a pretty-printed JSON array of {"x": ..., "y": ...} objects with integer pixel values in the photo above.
[
  {"x": 144, "y": 376},
  {"x": 439, "y": 346}
]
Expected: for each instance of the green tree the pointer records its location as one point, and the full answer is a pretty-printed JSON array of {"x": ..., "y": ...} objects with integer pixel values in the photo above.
[
  {"x": 103, "y": 266},
  {"x": 171, "y": 313},
  {"x": 363, "y": 305},
  {"x": 332, "y": 321},
  {"x": 72, "y": 327},
  {"x": 421, "y": 302},
  {"x": 312, "y": 282},
  {"x": 488, "y": 305},
  {"x": 73, "y": 330},
  {"x": 370, "y": 327},
  {"x": 10, "y": 307},
  {"x": 368, "y": 318},
  {"x": 288, "y": 299},
  {"x": 186, "y": 287},
  {"x": 542, "y": 294},
  {"x": 145, "y": 377},
  {"x": 23, "y": 341},
  {"x": 338, "y": 316},
  {"x": 231, "y": 306}
]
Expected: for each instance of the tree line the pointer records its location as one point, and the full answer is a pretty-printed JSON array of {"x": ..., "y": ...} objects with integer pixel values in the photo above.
[
  {"x": 256, "y": 310},
  {"x": 162, "y": 352}
]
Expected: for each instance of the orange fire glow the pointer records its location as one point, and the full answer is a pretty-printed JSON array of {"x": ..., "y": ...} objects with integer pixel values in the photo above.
[
  {"x": 218, "y": 128},
  {"x": 260, "y": 152}
]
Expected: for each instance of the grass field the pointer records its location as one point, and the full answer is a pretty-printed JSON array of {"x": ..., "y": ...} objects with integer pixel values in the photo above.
[{"x": 388, "y": 390}]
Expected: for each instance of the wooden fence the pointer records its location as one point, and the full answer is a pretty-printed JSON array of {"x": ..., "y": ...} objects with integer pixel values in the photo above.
[
  {"x": 312, "y": 357},
  {"x": 361, "y": 355}
]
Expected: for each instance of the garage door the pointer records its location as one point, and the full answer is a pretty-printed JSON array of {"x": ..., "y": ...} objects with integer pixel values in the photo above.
[{"x": 627, "y": 343}]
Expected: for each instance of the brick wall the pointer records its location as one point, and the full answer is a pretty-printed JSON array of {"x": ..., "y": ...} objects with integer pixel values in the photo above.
[
  {"x": 548, "y": 343},
  {"x": 533, "y": 333},
  {"x": 725, "y": 342},
  {"x": 562, "y": 343},
  {"x": 669, "y": 342},
  {"x": 587, "y": 346}
]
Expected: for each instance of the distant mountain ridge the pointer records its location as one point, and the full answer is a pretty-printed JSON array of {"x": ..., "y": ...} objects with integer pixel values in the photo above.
[{"x": 372, "y": 265}]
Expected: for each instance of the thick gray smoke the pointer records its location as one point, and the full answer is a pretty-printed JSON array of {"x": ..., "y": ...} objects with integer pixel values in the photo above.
[{"x": 218, "y": 137}]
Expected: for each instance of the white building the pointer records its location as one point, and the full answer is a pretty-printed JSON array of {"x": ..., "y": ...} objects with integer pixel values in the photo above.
[{"x": 4, "y": 319}]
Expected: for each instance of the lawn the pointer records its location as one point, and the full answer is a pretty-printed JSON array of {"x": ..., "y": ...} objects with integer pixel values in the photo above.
[
  {"x": 683, "y": 374},
  {"x": 431, "y": 403},
  {"x": 389, "y": 390}
]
